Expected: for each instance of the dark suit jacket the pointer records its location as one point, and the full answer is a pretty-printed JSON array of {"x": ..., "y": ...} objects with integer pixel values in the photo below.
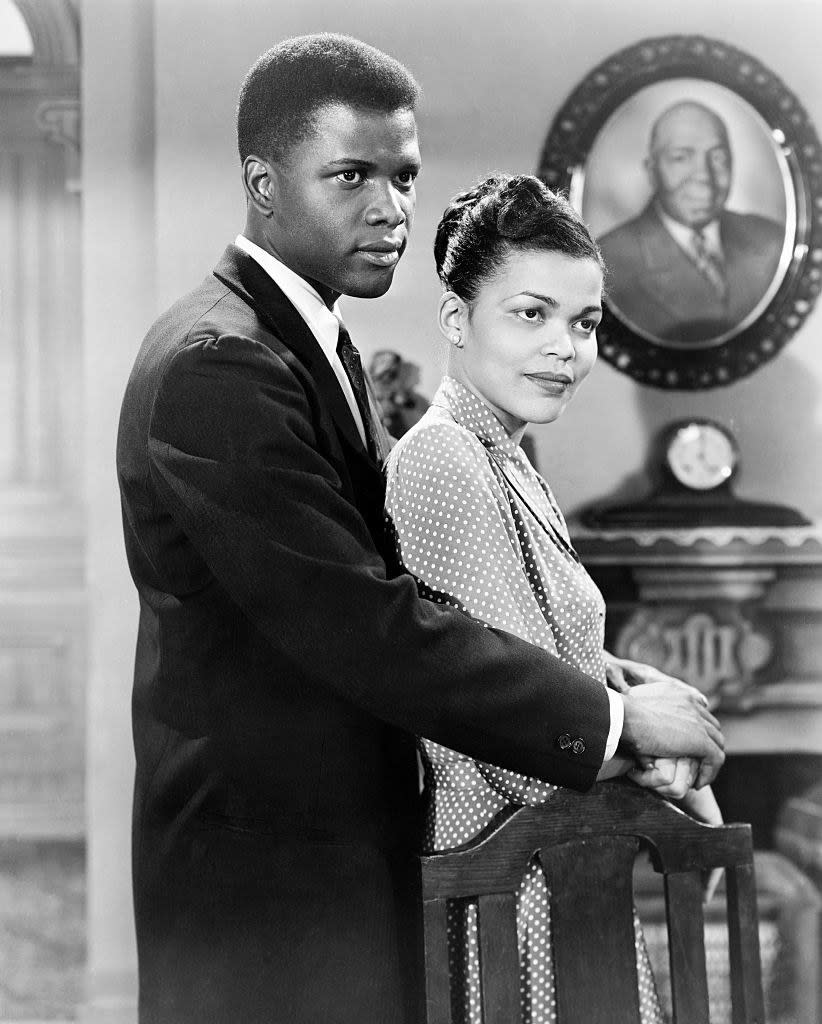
[
  {"x": 282, "y": 666},
  {"x": 653, "y": 283}
]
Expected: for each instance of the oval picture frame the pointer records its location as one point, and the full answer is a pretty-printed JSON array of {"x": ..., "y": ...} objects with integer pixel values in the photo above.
[{"x": 684, "y": 313}]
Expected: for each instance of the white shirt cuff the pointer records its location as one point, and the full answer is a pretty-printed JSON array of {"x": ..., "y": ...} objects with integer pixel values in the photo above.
[{"x": 617, "y": 721}]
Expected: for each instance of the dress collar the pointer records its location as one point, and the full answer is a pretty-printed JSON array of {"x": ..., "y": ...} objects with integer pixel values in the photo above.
[{"x": 472, "y": 413}]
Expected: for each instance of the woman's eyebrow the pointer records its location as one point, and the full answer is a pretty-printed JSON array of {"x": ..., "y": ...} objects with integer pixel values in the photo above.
[{"x": 542, "y": 298}]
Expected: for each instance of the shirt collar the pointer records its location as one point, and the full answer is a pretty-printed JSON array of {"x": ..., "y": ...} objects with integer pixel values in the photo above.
[
  {"x": 472, "y": 413},
  {"x": 683, "y": 235},
  {"x": 324, "y": 323}
]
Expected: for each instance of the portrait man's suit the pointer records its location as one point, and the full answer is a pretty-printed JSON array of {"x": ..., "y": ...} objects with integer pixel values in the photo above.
[
  {"x": 657, "y": 285},
  {"x": 282, "y": 666}
]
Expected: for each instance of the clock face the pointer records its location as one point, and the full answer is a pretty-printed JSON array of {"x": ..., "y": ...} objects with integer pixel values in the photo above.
[{"x": 701, "y": 455}]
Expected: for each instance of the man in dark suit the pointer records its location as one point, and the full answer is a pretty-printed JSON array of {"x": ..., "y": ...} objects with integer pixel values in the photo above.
[
  {"x": 283, "y": 664},
  {"x": 686, "y": 269}
]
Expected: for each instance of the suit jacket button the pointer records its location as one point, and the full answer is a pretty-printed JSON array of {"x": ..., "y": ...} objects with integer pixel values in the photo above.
[
  {"x": 578, "y": 746},
  {"x": 564, "y": 741}
]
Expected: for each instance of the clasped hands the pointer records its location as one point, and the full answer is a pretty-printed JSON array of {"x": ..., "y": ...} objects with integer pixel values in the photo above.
[
  {"x": 669, "y": 731},
  {"x": 673, "y": 772}
]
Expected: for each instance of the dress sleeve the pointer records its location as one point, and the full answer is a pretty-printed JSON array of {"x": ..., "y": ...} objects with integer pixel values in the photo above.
[{"x": 455, "y": 533}]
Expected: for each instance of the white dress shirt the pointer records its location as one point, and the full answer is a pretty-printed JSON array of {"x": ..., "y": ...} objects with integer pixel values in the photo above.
[
  {"x": 617, "y": 722},
  {"x": 323, "y": 322}
]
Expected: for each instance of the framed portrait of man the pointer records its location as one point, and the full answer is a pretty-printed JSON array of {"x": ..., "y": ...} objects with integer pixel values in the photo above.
[{"x": 698, "y": 173}]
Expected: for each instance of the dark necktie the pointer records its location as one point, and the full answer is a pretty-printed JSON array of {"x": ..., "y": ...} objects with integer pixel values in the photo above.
[
  {"x": 709, "y": 264},
  {"x": 377, "y": 439}
]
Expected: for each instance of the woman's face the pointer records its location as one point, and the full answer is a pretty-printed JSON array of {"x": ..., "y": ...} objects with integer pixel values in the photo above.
[{"x": 528, "y": 339}]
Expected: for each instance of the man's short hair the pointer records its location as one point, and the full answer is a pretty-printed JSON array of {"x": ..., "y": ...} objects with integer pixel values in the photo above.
[{"x": 287, "y": 85}]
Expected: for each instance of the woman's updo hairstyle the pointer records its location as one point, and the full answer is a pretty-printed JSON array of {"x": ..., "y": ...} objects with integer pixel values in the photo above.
[{"x": 481, "y": 227}]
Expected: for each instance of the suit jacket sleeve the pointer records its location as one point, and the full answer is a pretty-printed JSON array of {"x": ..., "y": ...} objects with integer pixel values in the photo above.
[{"x": 236, "y": 463}]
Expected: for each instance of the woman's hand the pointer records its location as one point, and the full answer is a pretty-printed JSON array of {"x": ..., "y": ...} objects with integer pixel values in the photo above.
[
  {"x": 671, "y": 777},
  {"x": 615, "y": 673},
  {"x": 701, "y": 804}
]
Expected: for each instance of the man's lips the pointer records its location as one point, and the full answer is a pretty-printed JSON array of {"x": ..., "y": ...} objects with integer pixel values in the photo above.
[{"x": 381, "y": 254}]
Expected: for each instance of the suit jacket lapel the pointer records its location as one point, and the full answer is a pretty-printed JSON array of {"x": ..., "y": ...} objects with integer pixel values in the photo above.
[{"x": 247, "y": 279}]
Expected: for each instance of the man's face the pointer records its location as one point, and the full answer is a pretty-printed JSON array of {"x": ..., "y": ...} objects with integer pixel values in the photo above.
[
  {"x": 345, "y": 200},
  {"x": 690, "y": 165}
]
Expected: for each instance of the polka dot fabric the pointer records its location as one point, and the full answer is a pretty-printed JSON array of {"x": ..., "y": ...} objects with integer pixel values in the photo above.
[{"x": 480, "y": 530}]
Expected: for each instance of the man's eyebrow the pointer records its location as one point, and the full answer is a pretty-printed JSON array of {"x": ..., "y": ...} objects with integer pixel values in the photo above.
[
  {"x": 351, "y": 161},
  {"x": 411, "y": 164}
]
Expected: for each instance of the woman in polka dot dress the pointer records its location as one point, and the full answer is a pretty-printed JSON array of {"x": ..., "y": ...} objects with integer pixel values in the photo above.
[{"x": 479, "y": 528}]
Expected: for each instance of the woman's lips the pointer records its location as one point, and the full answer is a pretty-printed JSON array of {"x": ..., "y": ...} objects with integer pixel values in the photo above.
[{"x": 554, "y": 384}]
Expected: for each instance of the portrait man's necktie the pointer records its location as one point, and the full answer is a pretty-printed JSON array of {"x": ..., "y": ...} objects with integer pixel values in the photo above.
[
  {"x": 709, "y": 264},
  {"x": 376, "y": 435}
]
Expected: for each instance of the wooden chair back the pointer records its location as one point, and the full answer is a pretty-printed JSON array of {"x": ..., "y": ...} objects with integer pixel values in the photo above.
[{"x": 587, "y": 844}]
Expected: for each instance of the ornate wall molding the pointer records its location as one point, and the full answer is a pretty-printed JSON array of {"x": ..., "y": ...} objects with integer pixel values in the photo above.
[
  {"x": 737, "y": 612},
  {"x": 59, "y": 121},
  {"x": 717, "y": 649}
]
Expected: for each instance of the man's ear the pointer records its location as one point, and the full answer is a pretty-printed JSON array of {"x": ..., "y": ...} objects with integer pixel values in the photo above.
[
  {"x": 452, "y": 318},
  {"x": 260, "y": 183}
]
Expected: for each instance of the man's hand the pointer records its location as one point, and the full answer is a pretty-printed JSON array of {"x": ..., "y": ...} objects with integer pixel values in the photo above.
[{"x": 671, "y": 719}]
